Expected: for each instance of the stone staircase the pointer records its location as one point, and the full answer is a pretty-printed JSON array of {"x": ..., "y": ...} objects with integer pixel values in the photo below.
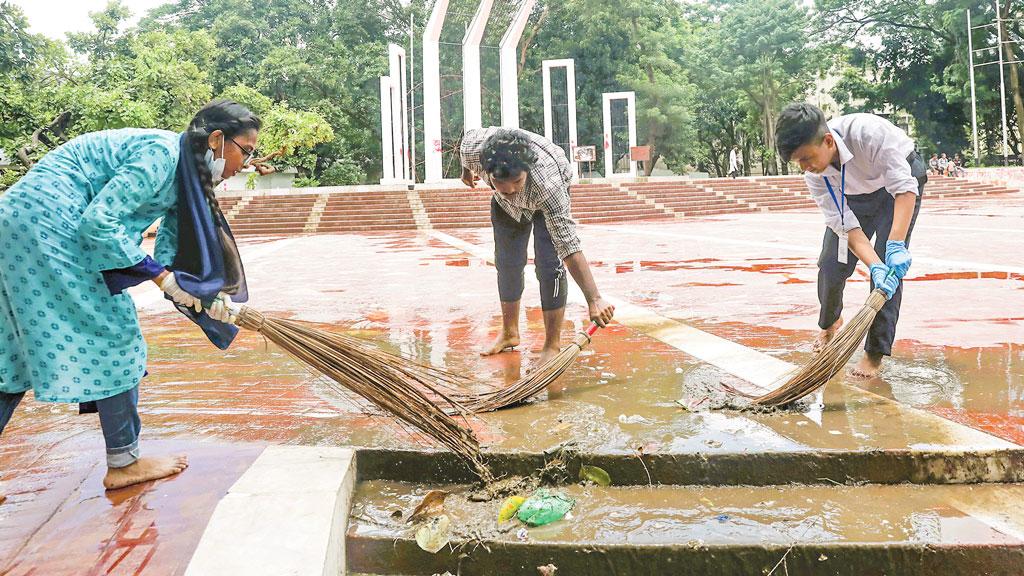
[
  {"x": 608, "y": 204},
  {"x": 332, "y": 211},
  {"x": 457, "y": 208},
  {"x": 274, "y": 215},
  {"x": 356, "y": 213},
  {"x": 688, "y": 198}
]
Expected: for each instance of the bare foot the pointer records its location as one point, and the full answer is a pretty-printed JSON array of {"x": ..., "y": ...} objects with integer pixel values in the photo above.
[
  {"x": 826, "y": 336},
  {"x": 3, "y": 498},
  {"x": 144, "y": 470},
  {"x": 546, "y": 355},
  {"x": 503, "y": 343},
  {"x": 868, "y": 367}
]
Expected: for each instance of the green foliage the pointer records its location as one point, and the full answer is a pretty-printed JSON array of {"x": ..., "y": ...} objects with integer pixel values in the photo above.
[
  {"x": 708, "y": 75},
  {"x": 305, "y": 182}
]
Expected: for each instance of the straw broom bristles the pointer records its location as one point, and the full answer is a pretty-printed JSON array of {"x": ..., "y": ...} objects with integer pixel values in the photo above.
[
  {"x": 830, "y": 360},
  {"x": 392, "y": 383},
  {"x": 535, "y": 382}
]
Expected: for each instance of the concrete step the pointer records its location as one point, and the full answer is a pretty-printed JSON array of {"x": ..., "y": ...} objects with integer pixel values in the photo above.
[
  {"x": 367, "y": 212},
  {"x": 684, "y": 530},
  {"x": 365, "y": 229}
]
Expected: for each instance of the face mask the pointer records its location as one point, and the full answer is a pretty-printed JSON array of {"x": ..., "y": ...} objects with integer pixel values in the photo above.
[{"x": 216, "y": 166}]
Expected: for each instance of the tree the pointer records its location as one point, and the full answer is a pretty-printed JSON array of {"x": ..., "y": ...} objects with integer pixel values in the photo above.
[
  {"x": 290, "y": 135},
  {"x": 770, "y": 59}
]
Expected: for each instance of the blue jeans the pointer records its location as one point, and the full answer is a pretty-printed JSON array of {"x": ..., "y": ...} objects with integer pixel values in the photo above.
[{"x": 119, "y": 419}]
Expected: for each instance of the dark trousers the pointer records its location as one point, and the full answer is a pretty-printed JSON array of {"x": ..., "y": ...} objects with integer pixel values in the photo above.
[
  {"x": 119, "y": 419},
  {"x": 874, "y": 211},
  {"x": 511, "y": 239}
]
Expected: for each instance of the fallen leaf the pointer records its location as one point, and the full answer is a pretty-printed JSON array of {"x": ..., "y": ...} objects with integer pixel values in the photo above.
[
  {"x": 433, "y": 535},
  {"x": 596, "y": 475},
  {"x": 432, "y": 505}
]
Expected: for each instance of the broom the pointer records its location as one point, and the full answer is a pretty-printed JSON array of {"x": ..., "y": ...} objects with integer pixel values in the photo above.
[
  {"x": 533, "y": 383},
  {"x": 829, "y": 361},
  {"x": 403, "y": 388}
]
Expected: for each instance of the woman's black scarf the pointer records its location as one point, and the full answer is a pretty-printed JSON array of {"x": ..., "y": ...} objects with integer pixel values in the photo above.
[{"x": 207, "y": 261}]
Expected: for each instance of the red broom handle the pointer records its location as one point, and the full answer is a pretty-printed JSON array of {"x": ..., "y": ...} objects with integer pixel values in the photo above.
[{"x": 593, "y": 328}]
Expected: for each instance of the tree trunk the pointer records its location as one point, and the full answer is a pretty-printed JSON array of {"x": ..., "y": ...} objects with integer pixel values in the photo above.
[
  {"x": 1011, "y": 56},
  {"x": 529, "y": 39},
  {"x": 649, "y": 165}
]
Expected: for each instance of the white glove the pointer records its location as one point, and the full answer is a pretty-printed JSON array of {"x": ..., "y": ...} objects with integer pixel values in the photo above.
[
  {"x": 178, "y": 294},
  {"x": 220, "y": 310}
]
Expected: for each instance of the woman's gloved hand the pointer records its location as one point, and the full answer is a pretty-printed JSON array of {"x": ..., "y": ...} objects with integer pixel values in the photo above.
[
  {"x": 170, "y": 287},
  {"x": 883, "y": 280},
  {"x": 220, "y": 309}
]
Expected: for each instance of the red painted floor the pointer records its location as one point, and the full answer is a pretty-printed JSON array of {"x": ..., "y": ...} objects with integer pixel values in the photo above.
[{"x": 749, "y": 278}]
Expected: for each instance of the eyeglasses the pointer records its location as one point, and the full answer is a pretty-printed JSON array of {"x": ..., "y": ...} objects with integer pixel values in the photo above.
[{"x": 250, "y": 153}]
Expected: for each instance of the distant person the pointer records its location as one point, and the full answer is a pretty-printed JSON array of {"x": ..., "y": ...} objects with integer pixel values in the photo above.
[
  {"x": 943, "y": 165},
  {"x": 867, "y": 179},
  {"x": 735, "y": 162},
  {"x": 530, "y": 176},
  {"x": 933, "y": 165},
  {"x": 958, "y": 166}
]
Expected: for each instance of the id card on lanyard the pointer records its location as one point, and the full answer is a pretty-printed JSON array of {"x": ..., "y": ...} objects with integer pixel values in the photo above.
[{"x": 840, "y": 202}]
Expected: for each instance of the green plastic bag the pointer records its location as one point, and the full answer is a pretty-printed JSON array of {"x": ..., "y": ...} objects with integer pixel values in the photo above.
[{"x": 544, "y": 507}]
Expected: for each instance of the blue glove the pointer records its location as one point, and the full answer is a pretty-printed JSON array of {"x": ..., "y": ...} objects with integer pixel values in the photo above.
[
  {"x": 883, "y": 280},
  {"x": 897, "y": 257}
]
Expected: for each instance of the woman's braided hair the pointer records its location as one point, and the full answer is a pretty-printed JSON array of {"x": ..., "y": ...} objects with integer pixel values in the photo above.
[{"x": 229, "y": 117}]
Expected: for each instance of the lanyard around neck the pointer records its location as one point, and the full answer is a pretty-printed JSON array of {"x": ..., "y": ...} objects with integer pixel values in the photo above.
[{"x": 840, "y": 202}]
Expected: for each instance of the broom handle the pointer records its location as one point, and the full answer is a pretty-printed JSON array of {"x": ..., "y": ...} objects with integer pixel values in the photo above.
[{"x": 592, "y": 329}]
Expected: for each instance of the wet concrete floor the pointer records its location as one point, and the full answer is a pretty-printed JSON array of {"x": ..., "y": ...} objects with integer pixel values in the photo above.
[{"x": 748, "y": 278}]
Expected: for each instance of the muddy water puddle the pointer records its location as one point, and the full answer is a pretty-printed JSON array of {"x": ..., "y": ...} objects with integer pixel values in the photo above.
[{"x": 707, "y": 515}]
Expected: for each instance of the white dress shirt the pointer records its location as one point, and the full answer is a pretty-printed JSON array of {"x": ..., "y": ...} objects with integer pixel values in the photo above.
[{"x": 874, "y": 152}]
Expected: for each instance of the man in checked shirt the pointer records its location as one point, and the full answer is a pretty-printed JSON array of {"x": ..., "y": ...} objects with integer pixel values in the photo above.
[{"x": 530, "y": 176}]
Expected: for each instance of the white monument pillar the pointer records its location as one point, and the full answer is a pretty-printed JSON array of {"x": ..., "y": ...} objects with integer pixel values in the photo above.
[
  {"x": 386, "y": 133},
  {"x": 570, "y": 85},
  {"x": 509, "y": 66},
  {"x": 399, "y": 112},
  {"x": 432, "y": 92},
  {"x": 609, "y": 153},
  {"x": 471, "y": 92}
]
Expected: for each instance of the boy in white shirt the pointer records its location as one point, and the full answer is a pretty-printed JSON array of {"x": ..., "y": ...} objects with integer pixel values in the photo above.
[{"x": 867, "y": 178}]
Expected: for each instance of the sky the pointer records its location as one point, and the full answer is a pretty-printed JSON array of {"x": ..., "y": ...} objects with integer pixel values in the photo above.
[{"x": 54, "y": 18}]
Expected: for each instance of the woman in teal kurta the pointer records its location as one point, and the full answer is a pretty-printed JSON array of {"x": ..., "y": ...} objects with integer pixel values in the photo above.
[{"x": 70, "y": 232}]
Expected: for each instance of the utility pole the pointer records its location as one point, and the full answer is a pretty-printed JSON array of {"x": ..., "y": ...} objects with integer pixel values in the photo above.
[
  {"x": 974, "y": 102},
  {"x": 1002, "y": 83}
]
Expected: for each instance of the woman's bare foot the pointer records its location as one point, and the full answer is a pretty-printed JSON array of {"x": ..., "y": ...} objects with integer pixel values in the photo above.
[
  {"x": 868, "y": 367},
  {"x": 503, "y": 343},
  {"x": 826, "y": 336},
  {"x": 144, "y": 470}
]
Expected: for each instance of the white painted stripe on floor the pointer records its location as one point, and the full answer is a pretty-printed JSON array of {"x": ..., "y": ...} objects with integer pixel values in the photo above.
[
  {"x": 287, "y": 514},
  {"x": 752, "y": 366},
  {"x": 955, "y": 264}
]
